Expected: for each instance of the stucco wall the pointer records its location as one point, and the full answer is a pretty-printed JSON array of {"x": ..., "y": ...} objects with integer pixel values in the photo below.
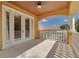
[
  {"x": 17, "y": 8},
  {"x": 74, "y": 7},
  {"x": 35, "y": 17},
  {"x": 0, "y": 25}
]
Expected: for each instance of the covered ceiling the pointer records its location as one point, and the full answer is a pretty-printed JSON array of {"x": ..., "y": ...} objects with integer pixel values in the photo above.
[{"x": 47, "y": 6}]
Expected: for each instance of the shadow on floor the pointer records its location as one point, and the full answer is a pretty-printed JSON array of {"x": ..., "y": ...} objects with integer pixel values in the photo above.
[
  {"x": 52, "y": 51},
  {"x": 14, "y": 51}
]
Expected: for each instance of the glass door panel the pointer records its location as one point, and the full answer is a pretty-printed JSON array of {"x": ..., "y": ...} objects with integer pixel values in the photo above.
[
  {"x": 27, "y": 28},
  {"x": 17, "y": 27},
  {"x": 7, "y": 19},
  {"x": 32, "y": 28}
]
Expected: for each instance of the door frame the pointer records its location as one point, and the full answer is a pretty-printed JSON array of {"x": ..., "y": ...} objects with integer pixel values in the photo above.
[
  {"x": 6, "y": 43},
  {"x": 11, "y": 27}
]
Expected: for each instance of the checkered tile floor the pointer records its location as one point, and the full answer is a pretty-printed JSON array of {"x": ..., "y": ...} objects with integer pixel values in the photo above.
[{"x": 64, "y": 51}]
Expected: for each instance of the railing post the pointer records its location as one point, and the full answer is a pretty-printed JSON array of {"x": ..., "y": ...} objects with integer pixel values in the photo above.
[
  {"x": 61, "y": 36},
  {"x": 69, "y": 37}
]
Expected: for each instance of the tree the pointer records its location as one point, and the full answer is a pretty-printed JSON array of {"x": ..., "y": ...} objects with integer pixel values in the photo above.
[
  {"x": 65, "y": 26},
  {"x": 77, "y": 25}
]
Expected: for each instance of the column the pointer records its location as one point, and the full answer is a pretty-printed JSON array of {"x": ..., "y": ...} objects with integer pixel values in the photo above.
[
  {"x": 36, "y": 28},
  {"x": 70, "y": 32},
  {"x": 0, "y": 26},
  {"x": 72, "y": 25}
]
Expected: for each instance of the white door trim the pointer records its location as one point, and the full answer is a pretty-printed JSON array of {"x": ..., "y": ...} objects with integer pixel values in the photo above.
[{"x": 11, "y": 27}]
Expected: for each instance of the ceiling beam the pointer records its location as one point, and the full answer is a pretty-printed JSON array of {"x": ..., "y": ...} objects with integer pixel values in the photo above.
[{"x": 53, "y": 13}]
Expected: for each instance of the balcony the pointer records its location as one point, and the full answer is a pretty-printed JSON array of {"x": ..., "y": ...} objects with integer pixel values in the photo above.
[
  {"x": 60, "y": 36},
  {"x": 20, "y": 36},
  {"x": 52, "y": 44}
]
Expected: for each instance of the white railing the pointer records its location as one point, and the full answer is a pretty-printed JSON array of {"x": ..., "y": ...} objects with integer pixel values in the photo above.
[
  {"x": 54, "y": 35},
  {"x": 75, "y": 43}
]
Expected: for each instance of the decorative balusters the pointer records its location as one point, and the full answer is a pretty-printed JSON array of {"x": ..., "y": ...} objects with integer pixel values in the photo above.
[{"x": 54, "y": 35}]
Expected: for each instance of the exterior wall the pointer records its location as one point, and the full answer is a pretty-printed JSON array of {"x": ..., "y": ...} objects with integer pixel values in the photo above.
[
  {"x": 74, "y": 7},
  {"x": 0, "y": 25},
  {"x": 19, "y": 9},
  {"x": 37, "y": 33},
  {"x": 35, "y": 17}
]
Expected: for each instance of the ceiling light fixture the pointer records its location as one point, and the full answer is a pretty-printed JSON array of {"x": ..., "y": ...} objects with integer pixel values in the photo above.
[{"x": 39, "y": 4}]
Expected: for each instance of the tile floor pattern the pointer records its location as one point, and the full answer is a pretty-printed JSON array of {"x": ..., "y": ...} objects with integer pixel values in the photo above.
[
  {"x": 14, "y": 51},
  {"x": 64, "y": 51},
  {"x": 39, "y": 51}
]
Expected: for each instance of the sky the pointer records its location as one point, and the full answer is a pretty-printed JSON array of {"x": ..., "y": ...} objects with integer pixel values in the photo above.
[
  {"x": 76, "y": 16},
  {"x": 55, "y": 21}
]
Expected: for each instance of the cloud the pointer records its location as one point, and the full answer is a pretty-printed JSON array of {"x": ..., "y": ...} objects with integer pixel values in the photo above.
[
  {"x": 42, "y": 27},
  {"x": 43, "y": 20},
  {"x": 65, "y": 20}
]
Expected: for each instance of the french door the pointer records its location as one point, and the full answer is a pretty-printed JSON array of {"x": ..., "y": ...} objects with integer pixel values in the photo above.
[{"x": 17, "y": 27}]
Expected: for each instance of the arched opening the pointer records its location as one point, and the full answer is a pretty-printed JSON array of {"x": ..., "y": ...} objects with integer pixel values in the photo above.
[
  {"x": 76, "y": 16},
  {"x": 54, "y": 23}
]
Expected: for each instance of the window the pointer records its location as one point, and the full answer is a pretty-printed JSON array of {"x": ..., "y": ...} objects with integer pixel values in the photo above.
[
  {"x": 7, "y": 17},
  {"x": 17, "y": 26},
  {"x": 27, "y": 27}
]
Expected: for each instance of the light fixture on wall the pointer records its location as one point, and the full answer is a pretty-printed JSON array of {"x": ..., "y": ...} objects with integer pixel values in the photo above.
[{"x": 39, "y": 4}]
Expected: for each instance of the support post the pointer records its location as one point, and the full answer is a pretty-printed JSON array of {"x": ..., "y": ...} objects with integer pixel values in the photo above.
[
  {"x": 70, "y": 32},
  {"x": 0, "y": 26},
  {"x": 37, "y": 33}
]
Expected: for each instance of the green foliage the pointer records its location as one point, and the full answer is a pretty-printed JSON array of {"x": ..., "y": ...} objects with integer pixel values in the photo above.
[
  {"x": 77, "y": 25},
  {"x": 65, "y": 26}
]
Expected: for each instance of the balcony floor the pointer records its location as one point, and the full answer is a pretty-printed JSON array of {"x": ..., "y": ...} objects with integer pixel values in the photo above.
[
  {"x": 62, "y": 50},
  {"x": 14, "y": 51},
  {"x": 59, "y": 50}
]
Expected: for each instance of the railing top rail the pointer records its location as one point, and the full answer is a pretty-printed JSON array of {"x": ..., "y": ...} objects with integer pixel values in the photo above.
[{"x": 53, "y": 31}]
